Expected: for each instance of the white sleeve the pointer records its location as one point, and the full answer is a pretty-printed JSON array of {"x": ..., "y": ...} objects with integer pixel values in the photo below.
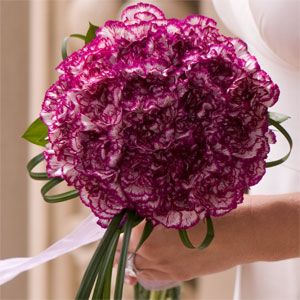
[
  {"x": 278, "y": 23},
  {"x": 271, "y": 29}
]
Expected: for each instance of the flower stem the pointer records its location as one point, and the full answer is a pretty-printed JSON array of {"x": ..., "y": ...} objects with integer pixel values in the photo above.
[
  {"x": 92, "y": 270},
  {"x": 105, "y": 269},
  {"x": 107, "y": 282},
  {"x": 158, "y": 295},
  {"x": 141, "y": 293},
  {"x": 123, "y": 257}
]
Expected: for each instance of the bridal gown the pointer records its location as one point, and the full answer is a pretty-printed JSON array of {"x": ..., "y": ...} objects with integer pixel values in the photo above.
[{"x": 271, "y": 29}]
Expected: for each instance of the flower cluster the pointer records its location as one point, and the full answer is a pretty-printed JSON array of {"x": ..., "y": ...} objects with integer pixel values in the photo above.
[{"x": 166, "y": 117}]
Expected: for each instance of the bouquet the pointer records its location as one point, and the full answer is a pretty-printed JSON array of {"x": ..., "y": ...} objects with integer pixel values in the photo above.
[{"x": 154, "y": 119}]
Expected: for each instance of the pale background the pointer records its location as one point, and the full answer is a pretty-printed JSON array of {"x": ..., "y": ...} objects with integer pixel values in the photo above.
[{"x": 31, "y": 34}]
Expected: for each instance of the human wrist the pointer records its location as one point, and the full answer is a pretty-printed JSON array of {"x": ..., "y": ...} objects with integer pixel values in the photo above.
[
  {"x": 276, "y": 235},
  {"x": 234, "y": 238}
]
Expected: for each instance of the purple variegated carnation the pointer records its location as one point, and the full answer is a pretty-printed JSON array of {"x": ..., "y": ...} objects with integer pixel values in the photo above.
[{"x": 166, "y": 117}]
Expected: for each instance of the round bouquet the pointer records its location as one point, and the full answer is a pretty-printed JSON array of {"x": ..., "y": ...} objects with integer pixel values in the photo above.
[{"x": 158, "y": 119}]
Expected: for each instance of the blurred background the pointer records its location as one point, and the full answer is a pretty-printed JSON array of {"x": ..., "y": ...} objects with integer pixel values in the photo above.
[{"x": 31, "y": 35}]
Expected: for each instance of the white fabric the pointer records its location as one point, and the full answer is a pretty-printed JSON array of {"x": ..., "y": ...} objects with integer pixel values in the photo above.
[
  {"x": 86, "y": 232},
  {"x": 271, "y": 29}
]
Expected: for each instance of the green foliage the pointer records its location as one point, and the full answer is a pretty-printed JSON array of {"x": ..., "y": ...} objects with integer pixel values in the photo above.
[
  {"x": 148, "y": 228},
  {"x": 64, "y": 45},
  {"x": 91, "y": 33},
  {"x": 207, "y": 240},
  {"x": 277, "y": 125},
  {"x": 36, "y": 133}
]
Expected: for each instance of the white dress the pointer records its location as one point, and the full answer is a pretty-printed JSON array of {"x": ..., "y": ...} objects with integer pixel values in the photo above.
[{"x": 272, "y": 30}]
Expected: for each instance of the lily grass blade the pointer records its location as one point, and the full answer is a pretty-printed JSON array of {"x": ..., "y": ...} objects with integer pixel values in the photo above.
[
  {"x": 64, "y": 46},
  {"x": 93, "y": 267},
  {"x": 32, "y": 164},
  {"x": 123, "y": 257},
  {"x": 207, "y": 240},
  {"x": 185, "y": 239},
  {"x": 97, "y": 292},
  {"x": 288, "y": 138},
  {"x": 148, "y": 228},
  {"x": 209, "y": 234},
  {"x": 107, "y": 282},
  {"x": 60, "y": 197},
  {"x": 104, "y": 267}
]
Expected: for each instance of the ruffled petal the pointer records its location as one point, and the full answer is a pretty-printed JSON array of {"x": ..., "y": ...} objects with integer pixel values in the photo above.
[
  {"x": 162, "y": 116},
  {"x": 143, "y": 12}
]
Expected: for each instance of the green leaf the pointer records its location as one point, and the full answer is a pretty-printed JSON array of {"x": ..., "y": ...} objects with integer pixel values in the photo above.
[
  {"x": 60, "y": 197},
  {"x": 91, "y": 33},
  {"x": 36, "y": 133},
  {"x": 105, "y": 269},
  {"x": 97, "y": 294},
  {"x": 136, "y": 221},
  {"x": 185, "y": 239},
  {"x": 78, "y": 36},
  {"x": 209, "y": 234},
  {"x": 33, "y": 163},
  {"x": 64, "y": 45},
  {"x": 123, "y": 256},
  {"x": 107, "y": 282},
  {"x": 289, "y": 139},
  {"x": 148, "y": 228},
  {"x": 277, "y": 117},
  {"x": 207, "y": 240},
  {"x": 92, "y": 270}
]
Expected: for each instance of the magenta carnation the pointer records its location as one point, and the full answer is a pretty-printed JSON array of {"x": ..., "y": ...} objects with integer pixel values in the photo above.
[{"x": 162, "y": 116}]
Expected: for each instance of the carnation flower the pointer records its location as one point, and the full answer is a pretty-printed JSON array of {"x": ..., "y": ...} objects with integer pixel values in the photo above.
[{"x": 165, "y": 117}]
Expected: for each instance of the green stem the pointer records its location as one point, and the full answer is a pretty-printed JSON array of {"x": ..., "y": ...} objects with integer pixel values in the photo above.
[
  {"x": 60, "y": 197},
  {"x": 154, "y": 295},
  {"x": 163, "y": 295},
  {"x": 123, "y": 257},
  {"x": 148, "y": 228},
  {"x": 93, "y": 267},
  {"x": 288, "y": 138},
  {"x": 207, "y": 240},
  {"x": 107, "y": 282},
  {"x": 158, "y": 295},
  {"x": 105, "y": 267},
  {"x": 32, "y": 164}
]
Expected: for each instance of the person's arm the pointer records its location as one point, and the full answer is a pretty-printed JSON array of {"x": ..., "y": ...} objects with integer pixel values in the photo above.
[{"x": 263, "y": 228}]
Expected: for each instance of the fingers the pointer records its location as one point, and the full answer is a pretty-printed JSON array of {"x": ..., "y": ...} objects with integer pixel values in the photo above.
[
  {"x": 143, "y": 266},
  {"x": 141, "y": 263},
  {"x": 153, "y": 275},
  {"x": 145, "y": 270}
]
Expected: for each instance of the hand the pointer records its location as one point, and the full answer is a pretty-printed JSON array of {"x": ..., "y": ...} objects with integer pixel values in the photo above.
[{"x": 247, "y": 234}]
